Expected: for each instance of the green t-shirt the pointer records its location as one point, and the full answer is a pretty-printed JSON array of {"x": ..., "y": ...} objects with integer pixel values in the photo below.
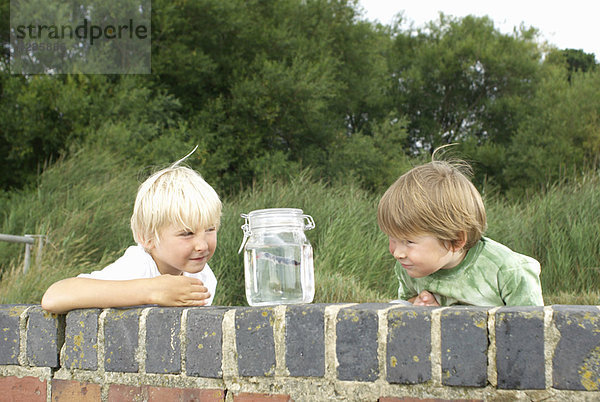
[{"x": 491, "y": 274}]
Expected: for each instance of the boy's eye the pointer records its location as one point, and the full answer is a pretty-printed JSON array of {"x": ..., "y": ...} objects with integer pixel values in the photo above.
[
  {"x": 186, "y": 233},
  {"x": 211, "y": 229}
]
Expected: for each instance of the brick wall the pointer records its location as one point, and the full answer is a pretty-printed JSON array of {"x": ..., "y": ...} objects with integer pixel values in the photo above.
[{"x": 360, "y": 352}]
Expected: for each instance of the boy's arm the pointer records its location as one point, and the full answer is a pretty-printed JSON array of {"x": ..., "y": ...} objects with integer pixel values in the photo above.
[
  {"x": 165, "y": 290},
  {"x": 520, "y": 285}
]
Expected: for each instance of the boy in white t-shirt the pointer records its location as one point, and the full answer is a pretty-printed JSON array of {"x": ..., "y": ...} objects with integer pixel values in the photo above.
[{"x": 174, "y": 223}]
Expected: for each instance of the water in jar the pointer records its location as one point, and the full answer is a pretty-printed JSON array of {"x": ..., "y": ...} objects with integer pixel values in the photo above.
[{"x": 281, "y": 274}]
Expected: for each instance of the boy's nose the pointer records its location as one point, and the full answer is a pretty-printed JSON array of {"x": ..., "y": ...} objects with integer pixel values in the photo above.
[
  {"x": 201, "y": 243},
  {"x": 399, "y": 254},
  {"x": 397, "y": 251}
]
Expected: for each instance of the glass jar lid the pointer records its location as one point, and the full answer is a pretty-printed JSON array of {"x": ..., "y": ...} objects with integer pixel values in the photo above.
[{"x": 275, "y": 218}]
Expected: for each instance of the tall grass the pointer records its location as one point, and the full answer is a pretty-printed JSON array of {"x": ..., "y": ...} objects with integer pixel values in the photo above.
[
  {"x": 561, "y": 228},
  {"x": 83, "y": 205}
]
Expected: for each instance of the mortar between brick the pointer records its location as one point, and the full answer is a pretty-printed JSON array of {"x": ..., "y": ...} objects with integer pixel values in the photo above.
[
  {"x": 23, "y": 317},
  {"x": 551, "y": 338},
  {"x": 101, "y": 340},
  {"x": 183, "y": 340},
  {"x": 436, "y": 346},
  {"x": 492, "y": 374},
  {"x": 382, "y": 333},
  {"x": 229, "y": 362},
  {"x": 101, "y": 352},
  {"x": 141, "y": 351},
  {"x": 279, "y": 338}
]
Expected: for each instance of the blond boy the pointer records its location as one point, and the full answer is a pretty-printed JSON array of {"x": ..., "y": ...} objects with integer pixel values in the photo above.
[
  {"x": 435, "y": 218},
  {"x": 174, "y": 223}
]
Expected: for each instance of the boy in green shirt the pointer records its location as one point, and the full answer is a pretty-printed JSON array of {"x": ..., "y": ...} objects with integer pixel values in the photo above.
[{"x": 435, "y": 218}]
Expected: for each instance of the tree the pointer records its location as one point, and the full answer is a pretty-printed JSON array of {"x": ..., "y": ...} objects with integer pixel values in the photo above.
[
  {"x": 460, "y": 79},
  {"x": 261, "y": 78},
  {"x": 39, "y": 117},
  {"x": 578, "y": 60},
  {"x": 374, "y": 161},
  {"x": 573, "y": 60},
  {"x": 562, "y": 133},
  {"x": 43, "y": 117}
]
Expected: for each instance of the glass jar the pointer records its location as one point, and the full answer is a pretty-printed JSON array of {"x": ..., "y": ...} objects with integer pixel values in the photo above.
[{"x": 278, "y": 258}]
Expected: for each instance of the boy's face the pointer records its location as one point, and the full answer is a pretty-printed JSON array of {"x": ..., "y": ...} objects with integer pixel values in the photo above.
[
  {"x": 423, "y": 255},
  {"x": 181, "y": 250}
]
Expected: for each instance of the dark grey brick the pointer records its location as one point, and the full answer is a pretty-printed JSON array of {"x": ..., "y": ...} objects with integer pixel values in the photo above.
[
  {"x": 204, "y": 333},
  {"x": 408, "y": 358},
  {"x": 81, "y": 339},
  {"x": 163, "y": 347},
  {"x": 305, "y": 340},
  {"x": 255, "y": 341},
  {"x": 576, "y": 362},
  {"x": 9, "y": 333},
  {"x": 121, "y": 330},
  {"x": 356, "y": 345},
  {"x": 464, "y": 346},
  {"x": 520, "y": 348},
  {"x": 45, "y": 336}
]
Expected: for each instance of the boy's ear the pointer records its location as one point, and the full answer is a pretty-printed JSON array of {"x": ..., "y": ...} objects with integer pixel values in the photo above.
[
  {"x": 460, "y": 242},
  {"x": 148, "y": 244}
]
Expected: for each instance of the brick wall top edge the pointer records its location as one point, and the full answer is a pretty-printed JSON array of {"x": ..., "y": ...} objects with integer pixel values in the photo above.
[{"x": 18, "y": 308}]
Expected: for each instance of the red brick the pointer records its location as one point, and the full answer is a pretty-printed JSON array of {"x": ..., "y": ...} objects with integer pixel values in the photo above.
[
  {"x": 250, "y": 397},
  {"x": 75, "y": 391},
  {"x": 126, "y": 393},
  {"x": 163, "y": 394},
  {"x": 22, "y": 389}
]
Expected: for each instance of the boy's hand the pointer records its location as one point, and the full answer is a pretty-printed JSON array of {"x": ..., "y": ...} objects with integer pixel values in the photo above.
[
  {"x": 425, "y": 298},
  {"x": 170, "y": 290}
]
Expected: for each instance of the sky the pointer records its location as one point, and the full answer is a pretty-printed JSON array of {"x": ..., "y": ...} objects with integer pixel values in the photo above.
[{"x": 569, "y": 24}]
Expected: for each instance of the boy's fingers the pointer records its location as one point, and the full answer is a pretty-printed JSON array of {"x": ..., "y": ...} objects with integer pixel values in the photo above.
[
  {"x": 194, "y": 281},
  {"x": 196, "y": 303},
  {"x": 199, "y": 288},
  {"x": 419, "y": 301},
  {"x": 201, "y": 295},
  {"x": 425, "y": 296}
]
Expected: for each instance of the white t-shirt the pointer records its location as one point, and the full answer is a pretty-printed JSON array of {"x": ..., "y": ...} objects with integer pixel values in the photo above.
[{"x": 136, "y": 263}]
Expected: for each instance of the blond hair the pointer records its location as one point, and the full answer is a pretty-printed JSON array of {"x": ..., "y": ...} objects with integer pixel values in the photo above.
[
  {"x": 176, "y": 196},
  {"x": 436, "y": 199}
]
